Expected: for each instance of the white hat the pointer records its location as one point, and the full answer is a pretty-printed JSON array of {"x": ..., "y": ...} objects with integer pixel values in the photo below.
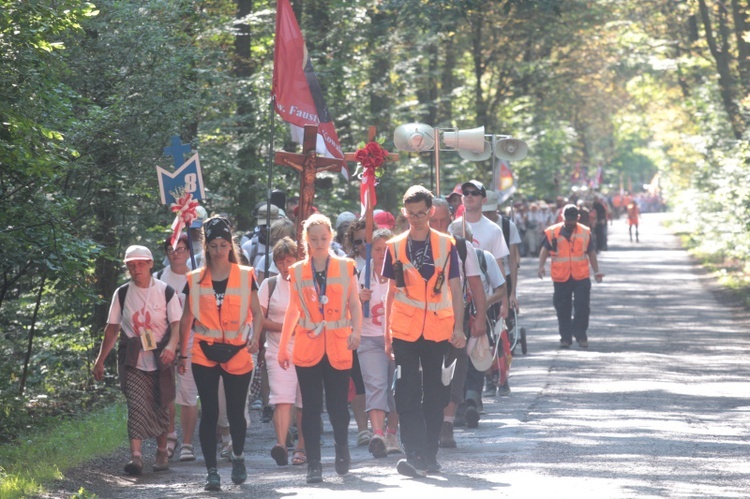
[
  {"x": 263, "y": 209},
  {"x": 480, "y": 353},
  {"x": 344, "y": 217},
  {"x": 136, "y": 252},
  {"x": 491, "y": 204}
]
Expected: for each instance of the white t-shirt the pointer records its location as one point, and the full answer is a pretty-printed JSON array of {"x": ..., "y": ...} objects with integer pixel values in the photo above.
[
  {"x": 272, "y": 270},
  {"x": 177, "y": 281},
  {"x": 373, "y": 325},
  {"x": 145, "y": 309},
  {"x": 488, "y": 236},
  {"x": 276, "y": 310},
  {"x": 496, "y": 278},
  {"x": 515, "y": 238}
]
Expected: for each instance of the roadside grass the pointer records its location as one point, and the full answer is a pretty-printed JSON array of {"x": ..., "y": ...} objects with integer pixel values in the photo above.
[{"x": 43, "y": 456}]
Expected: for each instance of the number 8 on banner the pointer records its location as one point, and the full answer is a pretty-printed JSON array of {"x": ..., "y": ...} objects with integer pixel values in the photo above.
[{"x": 187, "y": 179}]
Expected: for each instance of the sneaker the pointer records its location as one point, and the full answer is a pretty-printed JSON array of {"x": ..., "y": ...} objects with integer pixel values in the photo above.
[
  {"x": 504, "y": 390},
  {"x": 314, "y": 472},
  {"x": 267, "y": 416},
  {"x": 135, "y": 466},
  {"x": 239, "y": 472},
  {"x": 187, "y": 453},
  {"x": 213, "y": 480},
  {"x": 432, "y": 467},
  {"x": 446, "y": 436},
  {"x": 377, "y": 446},
  {"x": 565, "y": 343},
  {"x": 257, "y": 405},
  {"x": 472, "y": 415},
  {"x": 411, "y": 468},
  {"x": 392, "y": 445},
  {"x": 363, "y": 438},
  {"x": 583, "y": 343},
  {"x": 342, "y": 459},
  {"x": 490, "y": 389},
  {"x": 161, "y": 463}
]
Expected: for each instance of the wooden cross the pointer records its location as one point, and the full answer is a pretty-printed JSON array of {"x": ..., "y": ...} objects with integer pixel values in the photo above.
[{"x": 308, "y": 163}]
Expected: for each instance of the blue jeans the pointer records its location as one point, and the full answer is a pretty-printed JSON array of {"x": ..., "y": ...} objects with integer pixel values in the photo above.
[{"x": 572, "y": 297}]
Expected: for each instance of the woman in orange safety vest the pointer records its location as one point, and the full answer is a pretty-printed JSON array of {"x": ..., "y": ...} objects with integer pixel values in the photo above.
[
  {"x": 222, "y": 303},
  {"x": 325, "y": 317}
]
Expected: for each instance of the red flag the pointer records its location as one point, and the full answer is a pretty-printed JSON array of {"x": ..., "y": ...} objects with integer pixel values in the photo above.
[
  {"x": 505, "y": 185},
  {"x": 299, "y": 99}
]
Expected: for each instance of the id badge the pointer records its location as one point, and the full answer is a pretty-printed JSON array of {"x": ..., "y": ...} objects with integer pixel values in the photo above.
[{"x": 147, "y": 340}]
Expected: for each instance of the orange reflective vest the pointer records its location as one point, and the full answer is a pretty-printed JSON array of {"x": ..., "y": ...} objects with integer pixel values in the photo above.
[
  {"x": 417, "y": 309},
  {"x": 332, "y": 320},
  {"x": 569, "y": 258},
  {"x": 230, "y": 324}
]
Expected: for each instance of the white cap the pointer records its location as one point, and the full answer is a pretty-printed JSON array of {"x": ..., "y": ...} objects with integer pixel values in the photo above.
[{"x": 136, "y": 252}]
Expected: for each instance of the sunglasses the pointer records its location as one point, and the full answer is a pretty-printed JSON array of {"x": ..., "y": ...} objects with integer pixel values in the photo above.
[
  {"x": 472, "y": 193},
  {"x": 357, "y": 242}
]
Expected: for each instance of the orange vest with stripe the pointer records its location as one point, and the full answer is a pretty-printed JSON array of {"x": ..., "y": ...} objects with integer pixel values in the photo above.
[
  {"x": 416, "y": 309},
  {"x": 571, "y": 257},
  {"x": 230, "y": 324},
  {"x": 332, "y": 339}
]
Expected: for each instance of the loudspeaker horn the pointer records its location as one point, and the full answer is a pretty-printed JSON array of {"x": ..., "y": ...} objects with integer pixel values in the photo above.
[
  {"x": 472, "y": 139},
  {"x": 470, "y": 155},
  {"x": 414, "y": 137},
  {"x": 511, "y": 149}
]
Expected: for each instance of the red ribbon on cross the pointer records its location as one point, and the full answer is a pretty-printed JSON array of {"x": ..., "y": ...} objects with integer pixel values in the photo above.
[{"x": 185, "y": 208}]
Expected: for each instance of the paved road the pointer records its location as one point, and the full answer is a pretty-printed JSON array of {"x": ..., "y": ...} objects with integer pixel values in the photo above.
[{"x": 656, "y": 407}]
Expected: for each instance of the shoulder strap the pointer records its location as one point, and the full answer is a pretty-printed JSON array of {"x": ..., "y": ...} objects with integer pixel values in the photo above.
[
  {"x": 482, "y": 262},
  {"x": 159, "y": 274},
  {"x": 122, "y": 292},
  {"x": 506, "y": 229},
  {"x": 168, "y": 293}
]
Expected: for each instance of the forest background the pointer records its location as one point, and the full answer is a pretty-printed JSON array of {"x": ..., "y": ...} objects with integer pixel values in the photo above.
[{"x": 90, "y": 94}]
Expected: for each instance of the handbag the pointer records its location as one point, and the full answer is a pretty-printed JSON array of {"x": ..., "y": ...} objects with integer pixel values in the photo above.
[{"x": 219, "y": 352}]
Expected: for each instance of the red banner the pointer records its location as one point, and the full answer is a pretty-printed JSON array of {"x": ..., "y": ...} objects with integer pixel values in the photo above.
[{"x": 299, "y": 99}]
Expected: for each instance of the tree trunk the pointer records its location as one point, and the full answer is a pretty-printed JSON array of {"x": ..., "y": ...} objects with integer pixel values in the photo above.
[
  {"x": 31, "y": 334},
  {"x": 741, "y": 34}
]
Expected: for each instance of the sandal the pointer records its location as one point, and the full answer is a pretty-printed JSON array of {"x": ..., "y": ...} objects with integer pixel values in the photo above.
[
  {"x": 187, "y": 453},
  {"x": 299, "y": 457},
  {"x": 171, "y": 444},
  {"x": 280, "y": 455}
]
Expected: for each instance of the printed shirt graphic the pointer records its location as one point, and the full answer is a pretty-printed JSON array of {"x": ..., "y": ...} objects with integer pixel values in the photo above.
[
  {"x": 373, "y": 325},
  {"x": 139, "y": 316}
]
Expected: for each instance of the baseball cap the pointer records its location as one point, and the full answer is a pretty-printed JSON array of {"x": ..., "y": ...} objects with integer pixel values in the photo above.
[
  {"x": 491, "y": 204},
  {"x": 137, "y": 252},
  {"x": 263, "y": 209},
  {"x": 384, "y": 220},
  {"x": 570, "y": 212},
  {"x": 456, "y": 190},
  {"x": 476, "y": 184},
  {"x": 344, "y": 217},
  {"x": 480, "y": 353}
]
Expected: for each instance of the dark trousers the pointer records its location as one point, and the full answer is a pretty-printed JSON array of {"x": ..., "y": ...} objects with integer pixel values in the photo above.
[
  {"x": 420, "y": 397},
  {"x": 572, "y": 297},
  {"x": 312, "y": 380},
  {"x": 235, "y": 389}
]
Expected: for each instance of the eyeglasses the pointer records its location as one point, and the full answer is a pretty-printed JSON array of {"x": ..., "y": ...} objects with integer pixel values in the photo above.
[
  {"x": 415, "y": 216},
  {"x": 357, "y": 242},
  {"x": 179, "y": 250},
  {"x": 472, "y": 193}
]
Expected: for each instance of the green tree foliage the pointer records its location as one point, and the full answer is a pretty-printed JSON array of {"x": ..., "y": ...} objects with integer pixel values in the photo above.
[{"x": 90, "y": 95}]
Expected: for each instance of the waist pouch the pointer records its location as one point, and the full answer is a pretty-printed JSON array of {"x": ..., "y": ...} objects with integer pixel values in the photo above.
[{"x": 219, "y": 352}]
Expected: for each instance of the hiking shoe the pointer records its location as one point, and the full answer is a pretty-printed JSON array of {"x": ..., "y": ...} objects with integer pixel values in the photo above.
[
  {"x": 342, "y": 459},
  {"x": 471, "y": 415},
  {"x": 565, "y": 343},
  {"x": 135, "y": 466},
  {"x": 267, "y": 416},
  {"x": 213, "y": 480},
  {"x": 503, "y": 390},
  {"x": 226, "y": 451},
  {"x": 411, "y": 468},
  {"x": 314, "y": 472},
  {"x": 583, "y": 343},
  {"x": 239, "y": 472},
  {"x": 280, "y": 455},
  {"x": 392, "y": 445},
  {"x": 446, "y": 436},
  {"x": 162, "y": 460},
  {"x": 377, "y": 446}
]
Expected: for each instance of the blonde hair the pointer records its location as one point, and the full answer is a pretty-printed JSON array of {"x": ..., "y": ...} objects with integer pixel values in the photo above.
[{"x": 313, "y": 220}]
